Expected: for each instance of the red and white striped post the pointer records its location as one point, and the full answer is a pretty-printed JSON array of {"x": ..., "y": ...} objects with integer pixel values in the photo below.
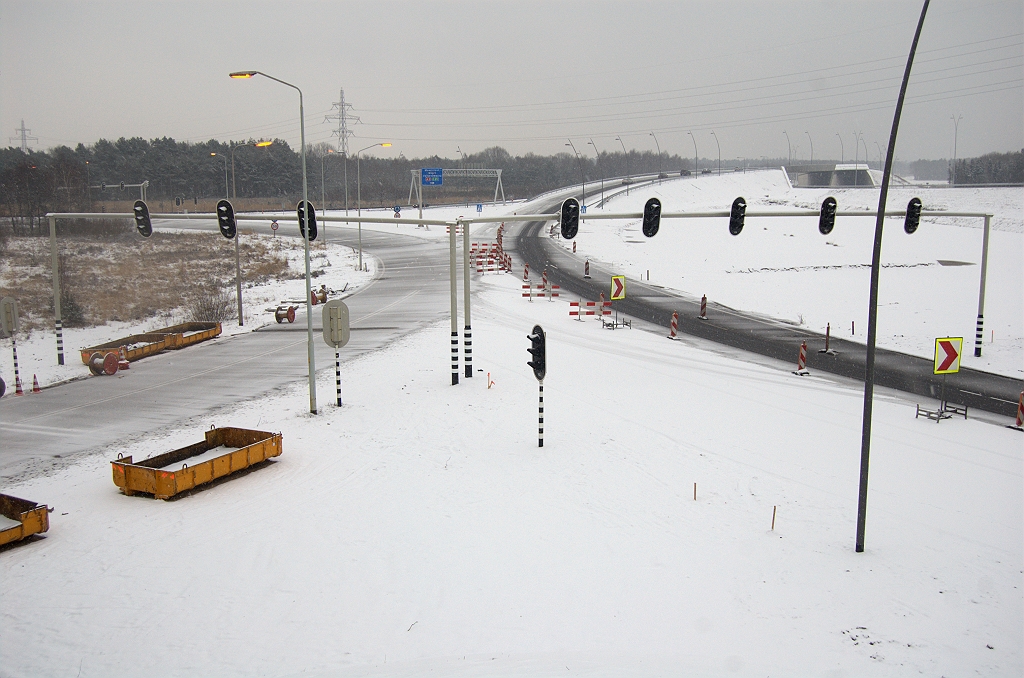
[
  {"x": 828, "y": 334},
  {"x": 675, "y": 325},
  {"x": 586, "y": 269},
  {"x": 1020, "y": 413},
  {"x": 526, "y": 273},
  {"x": 801, "y": 363},
  {"x": 704, "y": 307},
  {"x": 544, "y": 278},
  {"x": 574, "y": 247}
]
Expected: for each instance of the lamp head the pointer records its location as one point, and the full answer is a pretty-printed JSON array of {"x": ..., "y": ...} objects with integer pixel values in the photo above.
[
  {"x": 262, "y": 144},
  {"x": 243, "y": 74},
  {"x": 386, "y": 144}
]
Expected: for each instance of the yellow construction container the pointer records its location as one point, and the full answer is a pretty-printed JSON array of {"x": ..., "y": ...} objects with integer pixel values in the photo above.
[
  {"x": 139, "y": 346},
  {"x": 224, "y": 451},
  {"x": 21, "y": 518}
]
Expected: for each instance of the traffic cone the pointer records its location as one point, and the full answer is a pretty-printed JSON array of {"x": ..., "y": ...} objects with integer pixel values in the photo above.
[
  {"x": 35, "y": 385},
  {"x": 17, "y": 386},
  {"x": 122, "y": 360},
  {"x": 801, "y": 363}
]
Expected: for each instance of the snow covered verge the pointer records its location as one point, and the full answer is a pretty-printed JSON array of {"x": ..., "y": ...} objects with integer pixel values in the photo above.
[
  {"x": 331, "y": 265},
  {"x": 419, "y": 528},
  {"x": 783, "y": 268}
]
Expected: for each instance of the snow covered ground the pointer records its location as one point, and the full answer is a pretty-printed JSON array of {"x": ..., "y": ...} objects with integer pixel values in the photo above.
[
  {"x": 419, "y": 528},
  {"x": 783, "y": 268}
]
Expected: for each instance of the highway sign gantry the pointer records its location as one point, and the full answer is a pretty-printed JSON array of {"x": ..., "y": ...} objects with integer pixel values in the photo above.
[
  {"x": 431, "y": 176},
  {"x": 947, "y": 355}
]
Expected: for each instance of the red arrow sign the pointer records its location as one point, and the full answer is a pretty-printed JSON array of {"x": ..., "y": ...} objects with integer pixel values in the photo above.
[
  {"x": 951, "y": 355},
  {"x": 618, "y": 287}
]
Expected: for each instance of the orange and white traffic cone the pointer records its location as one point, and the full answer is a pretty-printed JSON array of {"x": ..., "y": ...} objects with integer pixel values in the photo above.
[
  {"x": 801, "y": 363},
  {"x": 17, "y": 386},
  {"x": 35, "y": 385},
  {"x": 122, "y": 359}
]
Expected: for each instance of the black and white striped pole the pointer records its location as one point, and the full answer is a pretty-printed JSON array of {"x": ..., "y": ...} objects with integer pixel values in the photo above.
[
  {"x": 336, "y": 333},
  {"x": 468, "y": 337},
  {"x": 538, "y": 349},
  {"x": 57, "y": 320}
]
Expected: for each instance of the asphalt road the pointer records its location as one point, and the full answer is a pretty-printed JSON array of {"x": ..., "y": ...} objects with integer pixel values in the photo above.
[
  {"x": 759, "y": 334},
  {"x": 409, "y": 292}
]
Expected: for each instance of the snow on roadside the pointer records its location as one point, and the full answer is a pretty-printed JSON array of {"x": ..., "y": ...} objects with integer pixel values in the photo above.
[{"x": 420, "y": 528}]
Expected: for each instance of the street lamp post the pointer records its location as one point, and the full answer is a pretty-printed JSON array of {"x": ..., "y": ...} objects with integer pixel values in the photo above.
[
  {"x": 660, "y": 165},
  {"x": 879, "y": 155},
  {"x": 359, "y": 196},
  {"x": 225, "y": 173},
  {"x": 310, "y": 355},
  {"x": 719, "y": 152},
  {"x": 597, "y": 154},
  {"x": 323, "y": 194},
  {"x": 788, "y": 147},
  {"x": 842, "y": 151},
  {"x": 812, "y": 146},
  {"x": 856, "y": 155},
  {"x": 956, "y": 129},
  {"x": 626, "y": 155},
  {"x": 231, "y": 148},
  {"x": 694, "y": 139},
  {"x": 583, "y": 179}
]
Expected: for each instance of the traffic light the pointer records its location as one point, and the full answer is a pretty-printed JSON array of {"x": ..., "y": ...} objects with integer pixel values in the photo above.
[
  {"x": 739, "y": 209},
  {"x": 570, "y": 218},
  {"x": 827, "y": 216},
  {"x": 652, "y": 217},
  {"x": 538, "y": 351},
  {"x": 312, "y": 219},
  {"x": 142, "y": 221},
  {"x": 226, "y": 219},
  {"x": 913, "y": 216}
]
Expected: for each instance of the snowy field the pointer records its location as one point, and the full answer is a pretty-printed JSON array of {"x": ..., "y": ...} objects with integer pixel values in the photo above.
[
  {"x": 419, "y": 528},
  {"x": 783, "y": 268}
]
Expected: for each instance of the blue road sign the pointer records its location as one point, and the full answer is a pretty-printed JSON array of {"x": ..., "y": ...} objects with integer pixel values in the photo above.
[
  {"x": 431, "y": 176},
  {"x": 479, "y": 207},
  {"x": 397, "y": 208},
  {"x": 583, "y": 209}
]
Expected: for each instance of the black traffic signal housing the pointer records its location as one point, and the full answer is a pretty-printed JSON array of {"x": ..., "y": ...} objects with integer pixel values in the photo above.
[
  {"x": 226, "y": 219},
  {"x": 569, "y": 219},
  {"x": 736, "y": 214},
  {"x": 652, "y": 217},
  {"x": 142, "y": 220},
  {"x": 312, "y": 219},
  {"x": 827, "y": 216},
  {"x": 913, "y": 216},
  {"x": 538, "y": 350}
]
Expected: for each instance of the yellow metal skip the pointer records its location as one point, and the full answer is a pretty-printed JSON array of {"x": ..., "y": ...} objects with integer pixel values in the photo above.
[
  {"x": 32, "y": 518},
  {"x": 139, "y": 346},
  {"x": 152, "y": 476}
]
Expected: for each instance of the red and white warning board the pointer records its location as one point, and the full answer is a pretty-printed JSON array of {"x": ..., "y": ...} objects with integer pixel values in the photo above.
[
  {"x": 618, "y": 287},
  {"x": 947, "y": 355}
]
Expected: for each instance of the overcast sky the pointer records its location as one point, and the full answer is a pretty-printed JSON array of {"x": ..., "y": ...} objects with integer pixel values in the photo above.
[{"x": 435, "y": 77}]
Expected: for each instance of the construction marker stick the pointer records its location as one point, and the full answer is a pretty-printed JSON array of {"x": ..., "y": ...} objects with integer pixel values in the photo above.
[{"x": 337, "y": 373}]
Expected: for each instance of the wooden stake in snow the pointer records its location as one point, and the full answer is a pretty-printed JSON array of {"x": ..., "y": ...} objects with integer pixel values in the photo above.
[
  {"x": 695, "y": 491},
  {"x": 774, "y": 508}
]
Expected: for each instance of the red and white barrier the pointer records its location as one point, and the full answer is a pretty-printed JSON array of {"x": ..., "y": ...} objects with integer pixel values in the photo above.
[
  {"x": 703, "y": 307},
  {"x": 595, "y": 308},
  {"x": 801, "y": 363},
  {"x": 675, "y": 325},
  {"x": 550, "y": 291}
]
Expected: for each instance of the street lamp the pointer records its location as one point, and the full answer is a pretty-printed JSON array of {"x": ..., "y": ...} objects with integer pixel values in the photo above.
[
  {"x": 231, "y": 148},
  {"x": 694, "y": 152},
  {"x": 598, "y": 161},
  {"x": 583, "y": 179},
  {"x": 359, "y": 196},
  {"x": 225, "y": 173},
  {"x": 812, "y": 146},
  {"x": 619, "y": 139},
  {"x": 842, "y": 151},
  {"x": 305, "y": 233},
  {"x": 719, "y": 152},
  {"x": 323, "y": 199},
  {"x": 856, "y": 155},
  {"x": 660, "y": 166},
  {"x": 790, "y": 148},
  {"x": 879, "y": 155},
  {"x": 956, "y": 129}
]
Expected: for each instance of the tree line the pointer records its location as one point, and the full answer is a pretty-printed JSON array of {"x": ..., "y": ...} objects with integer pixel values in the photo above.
[{"x": 84, "y": 178}]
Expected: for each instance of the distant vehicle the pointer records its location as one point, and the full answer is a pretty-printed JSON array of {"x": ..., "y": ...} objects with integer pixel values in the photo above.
[
  {"x": 627, "y": 180},
  {"x": 706, "y": 170},
  {"x": 662, "y": 175},
  {"x": 684, "y": 172}
]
